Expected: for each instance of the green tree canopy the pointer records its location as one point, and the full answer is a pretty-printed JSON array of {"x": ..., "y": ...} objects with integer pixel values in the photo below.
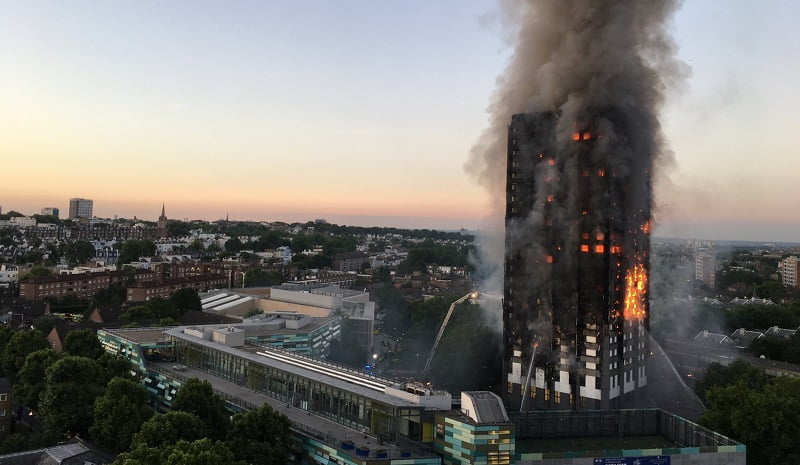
[
  {"x": 200, "y": 452},
  {"x": 71, "y": 386},
  {"x": 156, "y": 308},
  {"x": 162, "y": 431},
  {"x": 460, "y": 366},
  {"x": 198, "y": 398},
  {"x": 429, "y": 253},
  {"x": 114, "y": 366},
  {"x": 19, "y": 346},
  {"x": 177, "y": 228},
  {"x": 233, "y": 245},
  {"x": 766, "y": 419},
  {"x": 36, "y": 272},
  {"x": 112, "y": 296},
  {"x": 77, "y": 252},
  {"x": 340, "y": 244},
  {"x": 133, "y": 249},
  {"x": 31, "y": 378},
  {"x": 46, "y": 323},
  {"x": 738, "y": 372},
  {"x": 262, "y": 278},
  {"x": 83, "y": 343},
  {"x": 119, "y": 413},
  {"x": 185, "y": 299},
  {"x": 260, "y": 437},
  {"x": 270, "y": 240}
]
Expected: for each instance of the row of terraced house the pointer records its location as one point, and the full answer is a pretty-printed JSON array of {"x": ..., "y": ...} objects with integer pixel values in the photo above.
[{"x": 142, "y": 285}]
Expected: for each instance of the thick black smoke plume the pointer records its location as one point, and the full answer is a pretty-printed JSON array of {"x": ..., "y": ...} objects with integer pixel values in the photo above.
[{"x": 602, "y": 63}]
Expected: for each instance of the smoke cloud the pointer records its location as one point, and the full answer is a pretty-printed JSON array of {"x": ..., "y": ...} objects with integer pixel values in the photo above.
[{"x": 579, "y": 59}]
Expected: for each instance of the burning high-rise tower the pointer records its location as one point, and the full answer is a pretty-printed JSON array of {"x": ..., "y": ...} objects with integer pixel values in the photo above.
[
  {"x": 575, "y": 309},
  {"x": 574, "y": 171}
]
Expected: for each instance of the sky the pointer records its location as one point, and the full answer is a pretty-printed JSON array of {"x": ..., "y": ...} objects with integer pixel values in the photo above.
[{"x": 360, "y": 112}]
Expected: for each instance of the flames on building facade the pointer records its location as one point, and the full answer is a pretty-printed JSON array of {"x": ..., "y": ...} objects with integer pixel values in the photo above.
[{"x": 576, "y": 265}]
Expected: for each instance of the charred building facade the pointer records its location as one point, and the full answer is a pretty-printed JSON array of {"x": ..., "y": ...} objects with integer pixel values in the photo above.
[{"x": 575, "y": 309}]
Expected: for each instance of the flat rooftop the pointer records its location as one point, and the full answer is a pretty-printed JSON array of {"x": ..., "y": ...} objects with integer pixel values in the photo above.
[
  {"x": 328, "y": 431},
  {"x": 357, "y": 382},
  {"x": 140, "y": 335},
  {"x": 594, "y": 444}
]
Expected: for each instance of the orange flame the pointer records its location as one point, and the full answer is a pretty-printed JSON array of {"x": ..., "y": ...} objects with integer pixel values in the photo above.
[
  {"x": 646, "y": 227},
  {"x": 635, "y": 290}
]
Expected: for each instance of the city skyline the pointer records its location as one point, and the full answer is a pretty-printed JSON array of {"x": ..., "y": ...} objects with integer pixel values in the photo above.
[{"x": 358, "y": 113}]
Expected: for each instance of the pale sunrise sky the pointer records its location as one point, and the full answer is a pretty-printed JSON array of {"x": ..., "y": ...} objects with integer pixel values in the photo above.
[{"x": 360, "y": 112}]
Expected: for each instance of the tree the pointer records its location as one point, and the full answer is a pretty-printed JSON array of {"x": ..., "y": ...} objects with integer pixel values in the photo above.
[
  {"x": 36, "y": 272},
  {"x": 262, "y": 278},
  {"x": 11, "y": 214},
  {"x": 19, "y": 346},
  {"x": 83, "y": 343},
  {"x": 112, "y": 296},
  {"x": 133, "y": 249},
  {"x": 163, "y": 308},
  {"x": 77, "y": 252},
  {"x": 196, "y": 246},
  {"x": 185, "y": 299},
  {"x": 46, "y": 219},
  {"x": 339, "y": 244},
  {"x": 260, "y": 437},
  {"x": 27, "y": 440},
  {"x": 71, "y": 386},
  {"x": 202, "y": 452},
  {"x": 156, "y": 308},
  {"x": 162, "y": 431},
  {"x": 767, "y": 420},
  {"x": 114, "y": 366},
  {"x": 466, "y": 367},
  {"x": 177, "y": 228},
  {"x": 233, "y": 245},
  {"x": 270, "y": 240},
  {"x": 738, "y": 372},
  {"x": 137, "y": 313},
  {"x": 119, "y": 413},
  {"x": 197, "y": 397},
  {"x": 5, "y": 336},
  {"x": 31, "y": 378},
  {"x": 46, "y": 323}
]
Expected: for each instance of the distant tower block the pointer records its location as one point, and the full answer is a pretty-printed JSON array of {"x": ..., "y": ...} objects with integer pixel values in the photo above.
[
  {"x": 575, "y": 309},
  {"x": 80, "y": 208}
]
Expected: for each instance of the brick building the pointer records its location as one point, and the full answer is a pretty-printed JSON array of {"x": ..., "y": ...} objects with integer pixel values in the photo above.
[
  {"x": 80, "y": 285},
  {"x": 144, "y": 291},
  {"x": 349, "y": 261}
]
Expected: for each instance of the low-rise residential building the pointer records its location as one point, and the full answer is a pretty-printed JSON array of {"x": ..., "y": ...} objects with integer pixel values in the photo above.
[
  {"x": 23, "y": 221},
  {"x": 5, "y": 407},
  {"x": 145, "y": 291},
  {"x": 349, "y": 261},
  {"x": 82, "y": 285}
]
